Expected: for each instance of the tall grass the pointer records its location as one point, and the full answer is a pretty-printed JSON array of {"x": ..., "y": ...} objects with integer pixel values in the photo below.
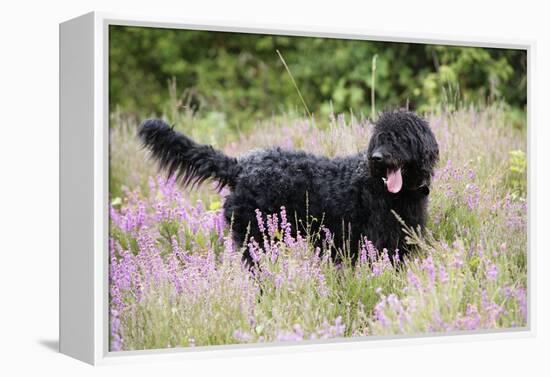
[{"x": 176, "y": 279}]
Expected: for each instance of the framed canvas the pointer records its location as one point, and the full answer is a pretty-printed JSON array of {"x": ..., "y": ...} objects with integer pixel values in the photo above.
[{"x": 242, "y": 189}]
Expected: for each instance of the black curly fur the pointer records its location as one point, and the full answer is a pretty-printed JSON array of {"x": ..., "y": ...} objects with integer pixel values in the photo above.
[
  {"x": 192, "y": 163},
  {"x": 347, "y": 193}
]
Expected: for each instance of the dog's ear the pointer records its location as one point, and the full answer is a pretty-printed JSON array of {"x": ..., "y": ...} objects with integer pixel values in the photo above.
[
  {"x": 429, "y": 149},
  {"x": 425, "y": 150}
]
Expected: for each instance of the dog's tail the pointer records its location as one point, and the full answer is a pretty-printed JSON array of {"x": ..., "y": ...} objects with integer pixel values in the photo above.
[{"x": 190, "y": 162}]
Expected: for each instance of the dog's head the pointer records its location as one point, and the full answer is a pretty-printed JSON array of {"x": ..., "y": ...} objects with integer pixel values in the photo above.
[{"x": 402, "y": 151}]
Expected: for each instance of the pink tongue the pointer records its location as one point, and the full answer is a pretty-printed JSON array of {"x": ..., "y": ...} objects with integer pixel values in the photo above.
[{"x": 395, "y": 181}]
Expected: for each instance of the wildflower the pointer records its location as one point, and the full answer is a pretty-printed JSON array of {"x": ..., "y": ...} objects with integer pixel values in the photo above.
[
  {"x": 491, "y": 272},
  {"x": 521, "y": 297},
  {"x": 272, "y": 225},
  {"x": 363, "y": 254},
  {"x": 472, "y": 196},
  {"x": 260, "y": 220},
  {"x": 394, "y": 302},
  {"x": 379, "y": 313},
  {"x": 329, "y": 239},
  {"x": 326, "y": 331},
  {"x": 295, "y": 335},
  {"x": 413, "y": 280},
  {"x": 371, "y": 251},
  {"x": 286, "y": 228},
  {"x": 428, "y": 266},
  {"x": 458, "y": 262},
  {"x": 473, "y": 319}
]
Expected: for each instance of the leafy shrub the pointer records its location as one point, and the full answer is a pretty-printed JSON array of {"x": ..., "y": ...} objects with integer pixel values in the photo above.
[{"x": 236, "y": 79}]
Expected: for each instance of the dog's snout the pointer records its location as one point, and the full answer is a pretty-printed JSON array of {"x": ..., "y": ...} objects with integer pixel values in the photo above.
[{"x": 377, "y": 156}]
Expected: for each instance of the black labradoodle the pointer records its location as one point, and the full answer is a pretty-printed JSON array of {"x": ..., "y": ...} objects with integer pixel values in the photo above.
[{"x": 353, "y": 195}]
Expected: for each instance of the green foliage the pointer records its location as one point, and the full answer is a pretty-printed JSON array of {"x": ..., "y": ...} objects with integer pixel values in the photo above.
[
  {"x": 517, "y": 172},
  {"x": 241, "y": 76}
]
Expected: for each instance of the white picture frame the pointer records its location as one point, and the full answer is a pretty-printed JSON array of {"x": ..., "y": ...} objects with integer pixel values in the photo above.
[{"x": 84, "y": 189}]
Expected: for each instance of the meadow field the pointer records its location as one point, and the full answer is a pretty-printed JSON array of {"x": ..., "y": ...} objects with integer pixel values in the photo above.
[{"x": 177, "y": 280}]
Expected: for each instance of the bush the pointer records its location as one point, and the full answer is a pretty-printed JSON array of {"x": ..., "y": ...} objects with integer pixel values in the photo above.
[{"x": 241, "y": 76}]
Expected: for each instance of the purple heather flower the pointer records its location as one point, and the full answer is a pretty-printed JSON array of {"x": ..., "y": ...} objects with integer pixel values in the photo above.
[
  {"x": 286, "y": 228},
  {"x": 272, "y": 225},
  {"x": 472, "y": 196},
  {"x": 329, "y": 239},
  {"x": 413, "y": 280},
  {"x": 521, "y": 297},
  {"x": 379, "y": 313},
  {"x": 473, "y": 319},
  {"x": 491, "y": 272},
  {"x": 260, "y": 220},
  {"x": 254, "y": 250},
  {"x": 363, "y": 254},
  {"x": 428, "y": 266}
]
